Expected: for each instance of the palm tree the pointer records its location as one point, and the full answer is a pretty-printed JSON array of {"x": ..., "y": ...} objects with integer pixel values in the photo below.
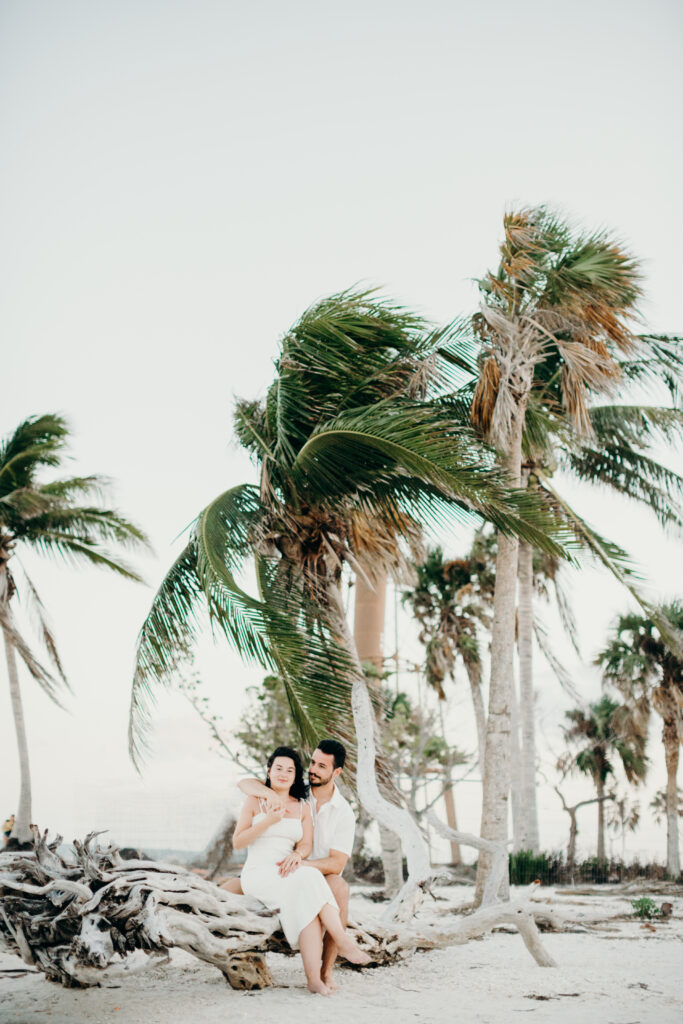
[
  {"x": 602, "y": 732},
  {"x": 46, "y": 517},
  {"x": 640, "y": 663},
  {"x": 617, "y": 455},
  {"x": 355, "y": 445},
  {"x": 451, "y": 600},
  {"x": 555, "y": 292}
]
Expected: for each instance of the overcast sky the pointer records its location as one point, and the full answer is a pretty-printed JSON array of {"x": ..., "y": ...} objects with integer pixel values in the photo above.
[{"x": 178, "y": 182}]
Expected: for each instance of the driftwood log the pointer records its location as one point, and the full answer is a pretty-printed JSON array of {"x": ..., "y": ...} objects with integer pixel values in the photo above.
[{"x": 94, "y": 916}]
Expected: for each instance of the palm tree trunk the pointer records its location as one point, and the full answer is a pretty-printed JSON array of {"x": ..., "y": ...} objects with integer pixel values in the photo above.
[
  {"x": 671, "y": 752},
  {"x": 368, "y": 620},
  {"x": 397, "y": 819},
  {"x": 573, "y": 833},
  {"x": 515, "y": 775},
  {"x": 600, "y": 786},
  {"x": 474, "y": 676},
  {"x": 449, "y": 798},
  {"x": 528, "y": 839},
  {"x": 449, "y": 801},
  {"x": 494, "y": 815},
  {"x": 368, "y": 633},
  {"x": 22, "y": 820}
]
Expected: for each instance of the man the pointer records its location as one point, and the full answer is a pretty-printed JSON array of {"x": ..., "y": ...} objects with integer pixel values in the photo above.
[{"x": 333, "y": 829}]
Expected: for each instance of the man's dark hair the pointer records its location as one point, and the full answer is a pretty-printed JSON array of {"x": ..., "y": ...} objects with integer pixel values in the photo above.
[{"x": 336, "y": 749}]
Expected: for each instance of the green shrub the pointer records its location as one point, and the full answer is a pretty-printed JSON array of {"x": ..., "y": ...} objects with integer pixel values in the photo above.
[{"x": 644, "y": 907}]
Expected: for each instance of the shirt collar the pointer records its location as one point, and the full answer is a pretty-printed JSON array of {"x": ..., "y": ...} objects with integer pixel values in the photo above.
[{"x": 335, "y": 800}]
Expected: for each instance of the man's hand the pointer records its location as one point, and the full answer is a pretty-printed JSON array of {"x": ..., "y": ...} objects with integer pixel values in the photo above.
[{"x": 290, "y": 863}]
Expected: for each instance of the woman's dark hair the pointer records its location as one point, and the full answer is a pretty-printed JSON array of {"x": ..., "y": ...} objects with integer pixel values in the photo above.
[{"x": 298, "y": 789}]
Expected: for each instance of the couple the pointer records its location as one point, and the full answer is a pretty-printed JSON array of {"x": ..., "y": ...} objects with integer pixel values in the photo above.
[{"x": 297, "y": 848}]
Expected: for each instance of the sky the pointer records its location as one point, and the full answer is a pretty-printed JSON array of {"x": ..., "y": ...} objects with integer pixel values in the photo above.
[{"x": 178, "y": 182}]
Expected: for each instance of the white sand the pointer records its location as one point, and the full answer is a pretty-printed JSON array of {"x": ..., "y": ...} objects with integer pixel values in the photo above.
[{"x": 622, "y": 977}]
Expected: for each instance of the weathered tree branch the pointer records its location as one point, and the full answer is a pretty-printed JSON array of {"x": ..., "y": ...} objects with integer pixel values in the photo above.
[{"x": 95, "y": 917}]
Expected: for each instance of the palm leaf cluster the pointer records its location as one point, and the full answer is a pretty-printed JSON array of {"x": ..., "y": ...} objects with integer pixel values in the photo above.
[
  {"x": 607, "y": 729},
  {"x": 59, "y": 518},
  {"x": 641, "y": 664},
  {"x": 357, "y": 445},
  {"x": 560, "y": 303},
  {"x": 450, "y": 599}
]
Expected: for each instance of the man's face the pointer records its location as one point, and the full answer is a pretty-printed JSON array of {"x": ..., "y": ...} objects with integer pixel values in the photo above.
[{"x": 321, "y": 769}]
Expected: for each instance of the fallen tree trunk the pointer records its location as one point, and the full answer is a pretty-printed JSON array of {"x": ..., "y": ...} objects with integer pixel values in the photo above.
[{"x": 98, "y": 917}]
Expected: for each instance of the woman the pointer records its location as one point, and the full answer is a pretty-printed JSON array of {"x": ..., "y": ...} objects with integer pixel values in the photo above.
[{"x": 278, "y": 842}]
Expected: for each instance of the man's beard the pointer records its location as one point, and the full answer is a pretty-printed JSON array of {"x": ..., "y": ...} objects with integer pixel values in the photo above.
[{"x": 318, "y": 781}]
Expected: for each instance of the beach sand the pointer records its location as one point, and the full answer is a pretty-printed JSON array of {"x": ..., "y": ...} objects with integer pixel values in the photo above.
[{"x": 621, "y": 976}]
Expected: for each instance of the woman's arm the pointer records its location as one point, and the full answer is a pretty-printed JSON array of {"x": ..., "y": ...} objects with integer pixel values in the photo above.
[
  {"x": 303, "y": 847},
  {"x": 245, "y": 833},
  {"x": 305, "y": 844}
]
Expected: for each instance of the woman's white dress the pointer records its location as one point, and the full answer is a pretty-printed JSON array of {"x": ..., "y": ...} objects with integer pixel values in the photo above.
[{"x": 299, "y": 896}]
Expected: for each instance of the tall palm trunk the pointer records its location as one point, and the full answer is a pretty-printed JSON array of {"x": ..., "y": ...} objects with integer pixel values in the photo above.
[
  {"x": 368, "y": 633},
  {"x": 671, "y": 752},
  {"x": 600, "y": 786},
  {"x": 473, "y": 669},
  {"x": 515, "y": 774},
  {"x": 449, "y": 798},
  {"x": 368, "y": 620},
  {"x": 494, "y": 815},
  {"x": 22, "y": 819},
  {"x": 528, "y": 838}
]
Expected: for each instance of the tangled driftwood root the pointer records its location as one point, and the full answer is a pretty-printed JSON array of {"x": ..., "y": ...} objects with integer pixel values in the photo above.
[{"x": 95, "y": 917}]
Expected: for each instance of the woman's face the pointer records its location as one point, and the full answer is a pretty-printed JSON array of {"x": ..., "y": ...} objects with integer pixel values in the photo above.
[{"x": 282, "y": 773}]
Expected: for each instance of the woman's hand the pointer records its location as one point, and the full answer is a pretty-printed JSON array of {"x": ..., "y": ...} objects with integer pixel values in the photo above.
[
  {"x": 275, "y": 814},
  {"x": 290, "y": 863},
  {"x": 275, "y": 801}
]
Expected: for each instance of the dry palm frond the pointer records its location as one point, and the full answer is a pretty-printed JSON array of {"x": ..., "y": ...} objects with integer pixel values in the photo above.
[
  {"x": 574, "y": 398},
  {"x": 486, "y": 396}
]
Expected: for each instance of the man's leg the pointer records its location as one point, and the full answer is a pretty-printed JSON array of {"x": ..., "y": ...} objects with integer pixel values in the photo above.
[
  {"x": 340, "y": 891},
  {"x": 232, "y": 885}
]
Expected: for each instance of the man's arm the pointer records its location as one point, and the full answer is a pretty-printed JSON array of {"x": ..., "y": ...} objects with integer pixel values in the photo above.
[
  {"x": 332, "y": 865},
  {"x": 254, "y": 787}
]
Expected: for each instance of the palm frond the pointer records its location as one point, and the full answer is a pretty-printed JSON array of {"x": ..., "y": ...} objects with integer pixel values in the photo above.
[
  {"x": 638, "y": 425},
  {"x": 63, "y": 491},
  {"x": 396, "y": 444},
  {"x": 39, "y": 614},
  {"x": 561, "y": 674},
  {"x": 627, "y": 471},
  {"x": 79, "y": 552},
  {"x": 164, "y": 643},
  {"x": 566, "y": 613},
  {"x": 659, "y": 360},
  {"x": 619, "y": 564},
  {"x": 222, "y": 537},
  {"x": 89, "y": 524},
  {"x": 45, "y": 680},
  {"x": 35, "y": 443}
]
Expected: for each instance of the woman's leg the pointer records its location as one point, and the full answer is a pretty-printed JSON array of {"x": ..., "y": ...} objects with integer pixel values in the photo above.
[
  {"x": 311, "y": 949},
  {"x": 349, "y": 949}
]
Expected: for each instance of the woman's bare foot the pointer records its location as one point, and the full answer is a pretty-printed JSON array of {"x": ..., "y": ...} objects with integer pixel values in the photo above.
[
  {"x": 319, "y": 988},
  {"x": 329, "y": 981},
  {"x": 352, "y": 952}
]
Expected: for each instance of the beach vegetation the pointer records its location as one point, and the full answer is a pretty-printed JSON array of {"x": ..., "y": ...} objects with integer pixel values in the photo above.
[{"x": 62, "y": 519}]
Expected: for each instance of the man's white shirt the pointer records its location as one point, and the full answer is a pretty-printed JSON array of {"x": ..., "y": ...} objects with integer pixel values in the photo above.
[{"x": 333, "y": 826}]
